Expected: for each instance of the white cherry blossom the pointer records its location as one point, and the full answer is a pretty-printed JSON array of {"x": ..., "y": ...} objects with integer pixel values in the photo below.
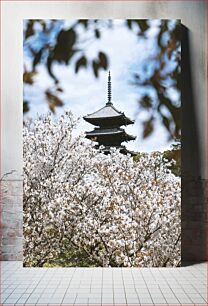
[{"x": 118, "y": 211}]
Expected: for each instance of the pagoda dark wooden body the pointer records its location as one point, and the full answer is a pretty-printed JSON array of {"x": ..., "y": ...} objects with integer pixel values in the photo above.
[{"x": 108, "y": 121}]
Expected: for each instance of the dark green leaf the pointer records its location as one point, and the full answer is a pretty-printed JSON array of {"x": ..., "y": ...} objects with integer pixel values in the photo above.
[
  {"x": 176, "y": 33},
  {"x": 66, "y": 36},
  {"x": 103, "y": 60},
  {"x": 37, "y": 58},
  {"x": 147, "y": 127},
  {"x": 59, "y": 89},
  {"x": 82, "y": 62},
  {"x": 174, "y": 154},
  {"x": 63, "y": 50},
  {"x": 97, "y": 33},
  {"x": 28, "y": 77},
  {"x": 49, "y": 67},
  {"x": 51, "y": 107},
  {"x": 166, "y": 122},
  {"x": 163, "y": 29},
  {"x": 143, "y": 25},
  {"x": 43, "y": 23},
  {"x": 146, "y": 102},
  {"x": 53, "y": 101},
  {"x": 84, "y": 22},
  {"x": 95, "y": 67},
  {"x": 175, "y": 113},
  {"x": 25, "y": 106},
  {"x": 129, "y": 23},
  {"x": 29, "y": 30}
]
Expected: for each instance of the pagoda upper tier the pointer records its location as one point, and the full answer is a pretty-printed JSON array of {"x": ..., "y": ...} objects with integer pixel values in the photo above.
[{"x": 108, "y": 116}]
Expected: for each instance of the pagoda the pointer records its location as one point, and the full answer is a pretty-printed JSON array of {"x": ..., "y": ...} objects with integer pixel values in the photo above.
[{"x": 108, "y": 121}]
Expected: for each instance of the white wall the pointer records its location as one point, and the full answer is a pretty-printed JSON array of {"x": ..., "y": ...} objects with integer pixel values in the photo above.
[{"x": 192, "y": 15}]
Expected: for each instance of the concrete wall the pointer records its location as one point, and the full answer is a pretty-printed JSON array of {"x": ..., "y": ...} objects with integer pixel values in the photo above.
[
  {"x": 194, "y": 116},
  {"x": 11, "y": 220}
]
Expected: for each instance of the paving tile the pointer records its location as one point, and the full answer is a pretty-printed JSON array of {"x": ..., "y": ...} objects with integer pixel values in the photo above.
[
  {"x": 96, "y": 298},
  {"x": 32, "y": 300},
  {"x": 46, "y": 291},
  {"x": 4, "y": 297},
  {"x": 81, "y": 301},
  {"x": 141, "y": 286},
  {"x": 203, "y": 295},
  {"x": 169, "y": 296},
  {"x": 184, "y": 300},
  {"x": 19, "y": 290},
  {"x": 38, "y": 291},
  {"x": 60, "y": 291},
  {"x": 95, "y": 295},
  {"x": 144, "y": 295},
  {"x": 15, "y": 296},
  {"x": 23, "y": 286},
  {"x": 106, "y": 296},
  {"x": 107, "y": 300},
  {"x": 155, "y": 291},
  {"x": 44, "y": 300},
  {"x": 82, "y": 294},
  {"x": 159, "y": 301},
  {"x": 131, "y": 295},
  {"x": 35, "y": 295},
  {"x": 145, "y": 301},
  {"x": 69, "y": 300},
  {"x": 142, "y": 290},
  {"x": 96, "y": 290},
  {"x": 170, "y": 300},
  {"x": 196, "y": 298},
  {"x": 106, "y": 285},
  {"x": 10, "y": 301},
  {"x": 168, "y": 293},
  {"x": 132, "y": 300},
  {"x": 119, "y": 294},
  {"x": 95, "y": 302},
  {"x": 119, "y": 301},
  {"x": 107, "y": 291},
  {"x": 3, "y": 286},
  {"x": 55, "y": 299},
  {"x": 72, "y": 290},
  {"x": 9, "y": 290},
  {"x": 29, "y": 290}
]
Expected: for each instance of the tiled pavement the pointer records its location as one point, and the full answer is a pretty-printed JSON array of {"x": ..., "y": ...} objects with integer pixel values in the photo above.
[{"x": 102, "y": 286}]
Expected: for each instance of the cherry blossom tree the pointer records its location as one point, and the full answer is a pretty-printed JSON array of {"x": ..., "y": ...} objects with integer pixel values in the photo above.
[{"x": 115, "y": 210}]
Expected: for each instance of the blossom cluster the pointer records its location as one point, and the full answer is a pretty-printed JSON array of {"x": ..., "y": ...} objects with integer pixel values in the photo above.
[{"x": 118, "y": 211}]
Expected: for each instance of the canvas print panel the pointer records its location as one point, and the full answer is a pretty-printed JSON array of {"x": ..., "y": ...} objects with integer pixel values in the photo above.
[{"x": 102, "y": 143}]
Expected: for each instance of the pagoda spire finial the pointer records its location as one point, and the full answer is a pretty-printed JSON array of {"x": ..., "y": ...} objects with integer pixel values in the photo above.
[{"x": 109, "y": 89}]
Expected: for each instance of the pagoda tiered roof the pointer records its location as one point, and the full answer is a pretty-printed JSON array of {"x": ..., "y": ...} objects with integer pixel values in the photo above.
[
  {"x": 107, "y": 113},
  {"x": 109, "y": 121},
  {"x": 110, "y": 131}
]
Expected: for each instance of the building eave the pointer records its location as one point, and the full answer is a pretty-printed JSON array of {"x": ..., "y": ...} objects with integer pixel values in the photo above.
[{"x": 101, "y": 132}]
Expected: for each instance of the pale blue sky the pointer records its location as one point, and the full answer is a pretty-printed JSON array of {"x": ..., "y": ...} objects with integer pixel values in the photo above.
[{"x": 84, "y": 94}]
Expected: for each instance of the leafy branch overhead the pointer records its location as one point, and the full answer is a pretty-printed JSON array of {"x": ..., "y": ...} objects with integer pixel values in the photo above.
[
  {"x": 63, "y": 49},
  {"x": 161, "y": 81},
  {"x": 50, "y": 43}
]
